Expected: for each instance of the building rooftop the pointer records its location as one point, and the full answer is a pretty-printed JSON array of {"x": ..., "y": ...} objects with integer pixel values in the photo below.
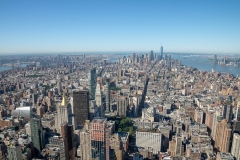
[{"x": 99, "y": 120}]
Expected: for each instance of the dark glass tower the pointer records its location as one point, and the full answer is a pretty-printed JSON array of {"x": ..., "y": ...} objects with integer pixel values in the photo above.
[
  {"x": 36, "y": 134},
  {"x": 80, "y": 106},
  {"x": 161, "y": 52},
  {"x": 151, "y": 56}
]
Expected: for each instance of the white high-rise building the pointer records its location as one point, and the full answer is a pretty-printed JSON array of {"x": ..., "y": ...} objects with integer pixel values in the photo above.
[
  {"x": 237, "y": 115},
  {"x": 235, "y": 151},
  {"x": 98, "y": 98},
  {"x": 98, "y": 95},
  {"x": 84, "y": 150},
  {"x": 63, "y": 113}
]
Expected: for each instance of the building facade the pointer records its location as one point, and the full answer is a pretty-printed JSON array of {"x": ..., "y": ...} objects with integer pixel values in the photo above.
[
  {"x": 63, "y": 113},
  {"x": 107, "y": 93},
  {"x": 92, "y": 80},
  {"x": 122, "y": 105},
  {"x": 147, "y": 139},
  {"x": 223, "y": 135},
  {"x": 235, "y": 151},
  {"x": 98, "y": 141},
  {"x": 81, "y": 106},
  {"x": 98, "y": 98},
  {"x": 36, "y": 134},
  {"x": 84, "y": 151}
]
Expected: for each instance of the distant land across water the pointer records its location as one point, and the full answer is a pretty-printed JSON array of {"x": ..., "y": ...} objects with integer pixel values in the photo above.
[
  {"x": 199, "y": 61},
  {"x": 202, "y": 63},
  {"x": 3, "y": 68}
]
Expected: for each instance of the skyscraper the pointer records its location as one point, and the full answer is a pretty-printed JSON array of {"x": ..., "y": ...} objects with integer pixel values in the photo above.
[
  {"x": 70, "y": 137},
  {"x": 227, "y": 111},
  {"x": 64, "y": 150},
  {"x": 85, "y": 143},
  {"x": 63, "y": 113},
  {"x": 236, "y": 122},
  {"x": 120, "y": 73},
  {"x": 161, "y": 52},
  {"x": 107, "y": 92},
  {"x": 133, "y": 57},
  {"x": 237, "y": 115},
  {"x": 209, "y": 120},
  {"x": 151, "y": 55},
  {"x": 178, "y": 145},
  {"x": 166, "y": 87},
  {"x": 169, "y": 61},
  {"x": 216, "y": 117},
  {"x": 235, "y": 151},
  {"x": 98, "y": 97},
  {"x": 101, "y": 131},
  {"x": 122, "y": 104},
  {"x": 59, "y": 84},
  {"x": 223, "y": 134},
  {"x": 95, "y": 139},
  {"x": 81, "y": 106},
  {"x": 135, "y": 102},
  {"x": 36, "y": 134},
  {"x": 83, "y": 58},
  {"x": 92, "y": 79},
  {"x": 166, "y": 58}
]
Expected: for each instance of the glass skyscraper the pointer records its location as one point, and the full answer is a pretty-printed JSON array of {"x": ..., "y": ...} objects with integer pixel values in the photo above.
[
  {"x": 81, "y": 106},
  {"x": 36, "y": 134},
  {"x": 161, "y": 52}
]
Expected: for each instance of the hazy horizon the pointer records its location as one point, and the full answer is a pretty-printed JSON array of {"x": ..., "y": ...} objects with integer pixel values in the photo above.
[{"x": 113, "y": 52}]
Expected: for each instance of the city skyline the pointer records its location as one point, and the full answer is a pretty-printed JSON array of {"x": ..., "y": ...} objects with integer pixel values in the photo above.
[
  {"x": 116, "y": 107},
  {"x": 107, "y": 26}
]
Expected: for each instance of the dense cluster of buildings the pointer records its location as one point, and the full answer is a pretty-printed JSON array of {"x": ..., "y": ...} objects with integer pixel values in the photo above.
[
  {"x": 227, "y": 61},
  {"x": 61, "y": 107}
]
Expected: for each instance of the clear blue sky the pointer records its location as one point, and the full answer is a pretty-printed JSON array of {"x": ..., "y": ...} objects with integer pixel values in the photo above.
[{"x": 40, "y": 26}]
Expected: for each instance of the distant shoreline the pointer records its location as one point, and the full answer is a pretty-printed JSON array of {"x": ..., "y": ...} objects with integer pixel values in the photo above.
[{"x": 117, "y": 53}]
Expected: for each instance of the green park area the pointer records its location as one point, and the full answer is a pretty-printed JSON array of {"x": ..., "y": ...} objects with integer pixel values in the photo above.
[
  {"x": 123, "y": 124},
  {"x": 115, "y": 88},
  {"x": 46, "y": 87},
  {"x": 35, "y": 75}
]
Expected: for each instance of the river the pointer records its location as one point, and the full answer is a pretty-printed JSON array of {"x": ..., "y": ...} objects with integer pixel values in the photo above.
[
  {"x": 3, "y": 68},
  {"x": 202, "y": 62}
]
